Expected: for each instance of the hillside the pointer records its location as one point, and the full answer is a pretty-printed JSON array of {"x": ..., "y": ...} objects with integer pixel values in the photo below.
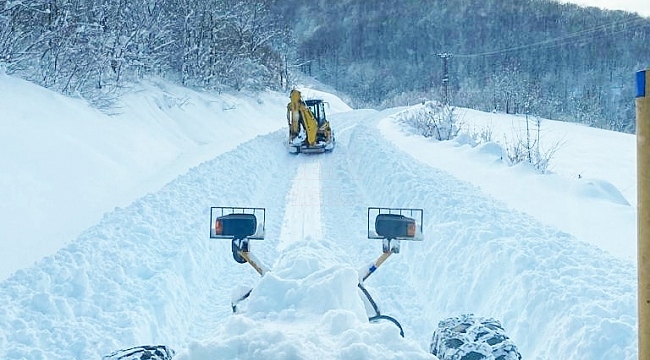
[{"x": 558, "y": 61}]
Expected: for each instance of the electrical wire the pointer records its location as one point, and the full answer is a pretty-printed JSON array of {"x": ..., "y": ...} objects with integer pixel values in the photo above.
[{"x": 578, "y": 36}]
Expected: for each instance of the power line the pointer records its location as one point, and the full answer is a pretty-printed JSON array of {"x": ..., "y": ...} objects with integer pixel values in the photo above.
[
  {"x": 578, "y": 36},
  {"x": 633, "y": 24}
]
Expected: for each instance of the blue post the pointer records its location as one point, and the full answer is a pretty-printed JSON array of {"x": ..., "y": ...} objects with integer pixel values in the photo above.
[
  {"x": 641, "y": 83},
  {"x": 643, "y": 208}
]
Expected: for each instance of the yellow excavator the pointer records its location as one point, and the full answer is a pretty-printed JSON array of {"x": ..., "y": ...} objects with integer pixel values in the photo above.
[{"x": 309, "y": 129}]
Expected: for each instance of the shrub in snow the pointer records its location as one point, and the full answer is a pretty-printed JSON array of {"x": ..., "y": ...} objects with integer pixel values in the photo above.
[
  {"x": 468, "y": 337},
  {"x": 432, "y": 119},
  {"x": 527, "y": 148},
  {"x": 481, "y": 136}
]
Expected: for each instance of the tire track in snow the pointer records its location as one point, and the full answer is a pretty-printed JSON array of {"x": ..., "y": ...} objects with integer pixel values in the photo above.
[
  {"x": 345, "y": 218},
  {"x": 344, "y": 208},
  {"x": 302, "y": 217}
]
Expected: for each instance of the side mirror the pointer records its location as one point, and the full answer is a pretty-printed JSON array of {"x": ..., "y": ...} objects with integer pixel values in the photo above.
[
  {"x": 237, "y": 226},
  {"x": 237, "y": 223},
  {"x": 395, "y": 224}
]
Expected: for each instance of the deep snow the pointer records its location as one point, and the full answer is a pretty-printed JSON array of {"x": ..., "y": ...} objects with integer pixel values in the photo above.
[{"x": 115, "y": 212}]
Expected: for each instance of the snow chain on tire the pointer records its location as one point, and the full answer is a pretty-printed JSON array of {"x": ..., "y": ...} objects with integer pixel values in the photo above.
[{"x": 469, "y": 337}]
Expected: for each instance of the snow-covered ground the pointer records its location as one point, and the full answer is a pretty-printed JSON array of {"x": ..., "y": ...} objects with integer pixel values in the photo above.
[
  {"x": 590, "y": 192},
  {"x": 104, "y": 232}
]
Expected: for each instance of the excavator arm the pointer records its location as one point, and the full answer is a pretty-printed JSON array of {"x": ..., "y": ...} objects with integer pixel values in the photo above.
[{"x": 298, "y": 114}]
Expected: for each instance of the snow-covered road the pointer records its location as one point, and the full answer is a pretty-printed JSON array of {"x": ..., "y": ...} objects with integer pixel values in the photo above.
[{"x": 148, "y": 272}]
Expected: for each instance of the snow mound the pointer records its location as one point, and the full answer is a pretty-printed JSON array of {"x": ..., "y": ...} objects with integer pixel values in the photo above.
[
  {"x": 295, "y": 314},
  {"x": 464, "y": 139},
  {"x": 490, "y": 148},
  {"x": 600, "y": 190},
  {"x": 335, "y": 104}
]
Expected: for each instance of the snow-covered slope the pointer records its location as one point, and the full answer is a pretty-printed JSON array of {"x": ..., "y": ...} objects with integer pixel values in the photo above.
[
  {"x": 147, "y": 272},
  {"x": 61, "y": 157},
  {"x": 590, "y": 191}
]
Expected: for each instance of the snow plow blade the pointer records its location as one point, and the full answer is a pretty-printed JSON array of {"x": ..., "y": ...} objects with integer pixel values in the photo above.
[{"x": 317, "y": 149}]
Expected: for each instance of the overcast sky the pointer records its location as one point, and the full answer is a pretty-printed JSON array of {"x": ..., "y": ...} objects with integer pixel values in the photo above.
[{"x": 640, "y": 6}]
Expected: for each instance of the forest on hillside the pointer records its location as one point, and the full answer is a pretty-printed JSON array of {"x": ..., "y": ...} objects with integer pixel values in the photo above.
[
  {"x": 97, "y": 48},
  {"x": 558, "y": 61},
  {"x": 538, "y": 57}
]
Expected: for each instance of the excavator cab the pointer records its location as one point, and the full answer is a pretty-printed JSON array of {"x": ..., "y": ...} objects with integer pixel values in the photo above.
[
  {"x": 317, "y": 107},
  {"x": 309, "y": 129}
]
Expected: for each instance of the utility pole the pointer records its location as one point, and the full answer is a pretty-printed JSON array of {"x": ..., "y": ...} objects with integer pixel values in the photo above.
[
  {"x": 445, "y": 77},
  {"x": 643, "y": 208}
]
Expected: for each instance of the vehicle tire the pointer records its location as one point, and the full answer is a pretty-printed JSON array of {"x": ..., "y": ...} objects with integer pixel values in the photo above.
[
  {"x": 469, "y": 337},
  {"x": 145, "y": 352}
]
